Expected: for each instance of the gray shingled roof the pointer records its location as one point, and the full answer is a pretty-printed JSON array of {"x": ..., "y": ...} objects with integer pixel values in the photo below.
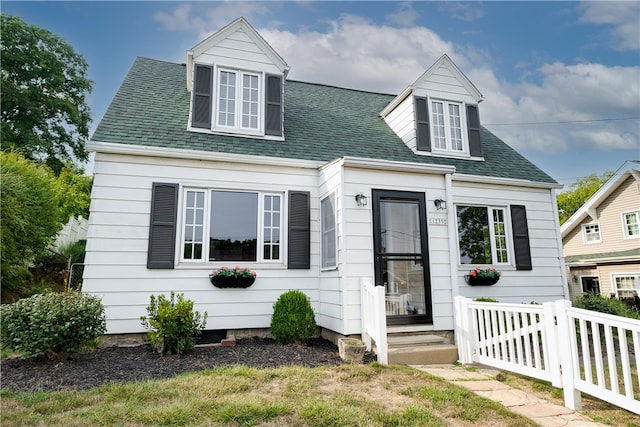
[
  {"x": 321, "y": 123},
  {"x": 603, "y": 255}
]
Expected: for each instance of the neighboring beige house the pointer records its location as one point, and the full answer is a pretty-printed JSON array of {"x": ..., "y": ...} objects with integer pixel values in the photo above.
[{"x": 602, "y": 239}]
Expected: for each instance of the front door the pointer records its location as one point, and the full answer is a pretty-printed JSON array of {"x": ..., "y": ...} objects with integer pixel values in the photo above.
[{"x": 401, "y": 255}]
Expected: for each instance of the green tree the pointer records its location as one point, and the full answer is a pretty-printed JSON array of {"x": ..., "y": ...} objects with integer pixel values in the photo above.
[
  {"x": 579, "y": 192},
  {"x": 44, "y": 113},
  {"x": 29, "y": 216},
  {"x": 74, "y": 192}
]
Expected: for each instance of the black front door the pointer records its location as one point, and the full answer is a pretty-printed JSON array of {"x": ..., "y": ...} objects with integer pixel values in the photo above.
[{"x": 401, "y": 255}]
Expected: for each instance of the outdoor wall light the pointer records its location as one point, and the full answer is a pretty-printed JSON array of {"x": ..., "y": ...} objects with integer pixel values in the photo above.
[
  {"x": 440, "y": 204},
  {"x": 361, "y": 199}
]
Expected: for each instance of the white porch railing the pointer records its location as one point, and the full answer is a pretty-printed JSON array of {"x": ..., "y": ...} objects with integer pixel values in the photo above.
[
  {"x": 374, "y": 320},
  {"x": 557, "y": 343}
]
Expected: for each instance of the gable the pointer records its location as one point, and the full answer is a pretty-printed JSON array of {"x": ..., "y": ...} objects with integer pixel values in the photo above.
[{"x": 627, "y": 177}]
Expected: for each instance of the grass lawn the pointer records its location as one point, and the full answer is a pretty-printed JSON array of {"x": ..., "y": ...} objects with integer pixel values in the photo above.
[{"x": 346, "y": 395}]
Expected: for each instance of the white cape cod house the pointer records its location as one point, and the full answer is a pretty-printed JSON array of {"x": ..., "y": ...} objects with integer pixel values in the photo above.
[{"x": 222, "y": 161}]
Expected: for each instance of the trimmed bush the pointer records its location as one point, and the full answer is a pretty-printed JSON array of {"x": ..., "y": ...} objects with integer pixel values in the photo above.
[
  {"x": 596, "y": 302},
  {"x": 293, "y": 320},
  {"x": 53, "y": 325},
  {"x": 172, "y": 323}
]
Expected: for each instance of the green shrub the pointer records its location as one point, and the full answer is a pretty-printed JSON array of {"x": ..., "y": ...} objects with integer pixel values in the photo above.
[
  {"x": 293, "y": 320},
  {"x": 597, "y": 302},
  {"x": 52, "y": 324},
  {"x": 486, "y": 299},
  {"x": 173, "y": 325}
]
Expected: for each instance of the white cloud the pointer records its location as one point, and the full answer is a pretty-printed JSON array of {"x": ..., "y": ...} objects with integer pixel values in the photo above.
[
  {"x": 467, "y": 12},
  {"x": 358, "y": 54},
  {"x": 622, "y": 16},
  {"x": 405, "y": 16}
]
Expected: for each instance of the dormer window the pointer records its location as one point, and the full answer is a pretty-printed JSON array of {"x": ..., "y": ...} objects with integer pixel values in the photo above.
[
  {"x": 447, "y": 126},
  {"x": 236, "y": 102},
  {"x": 238, "y": 85}
]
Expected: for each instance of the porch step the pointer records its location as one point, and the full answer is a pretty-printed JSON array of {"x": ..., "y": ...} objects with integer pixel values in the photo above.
[
  {"x": 434, "y": 354},
  {"x": 413, "y": 340}
]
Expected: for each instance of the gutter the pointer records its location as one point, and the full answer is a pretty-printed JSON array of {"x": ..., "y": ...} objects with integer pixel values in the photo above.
[
  {"x": 505, "y": 181},
  {"x": 177, "y": 153}
]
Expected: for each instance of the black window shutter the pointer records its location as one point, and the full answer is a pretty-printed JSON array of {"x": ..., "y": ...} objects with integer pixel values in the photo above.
[
  {"x": 521, "y": 237},
  {"x": 273, "y": 122},
  {"x": 299, "y": 230},
  {"x": 423, "y": 135},
  {"x": 202, "y": 89},
  {"x": 473, "y": 129},
  {"x": 162, "y": 227}
]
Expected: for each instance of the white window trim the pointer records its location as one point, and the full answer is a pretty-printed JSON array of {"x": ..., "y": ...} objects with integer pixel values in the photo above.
[
  {"x": 635, "y": 275},
  {"x": 584, "y": 233},
  {"x": 334, "y": 265},
  {"x": 207, "y": 225},
  {"x": 238, "y": 110},
  {"x": 447, "y": 129},
  {"x": 625, "y": 230},
  {"x": 492, "y": 237}
]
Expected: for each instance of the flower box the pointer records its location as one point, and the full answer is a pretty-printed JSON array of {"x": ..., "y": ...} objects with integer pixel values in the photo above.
[
  {"x": 231, "y": 281},
  {"x": 481, "y": 281}
]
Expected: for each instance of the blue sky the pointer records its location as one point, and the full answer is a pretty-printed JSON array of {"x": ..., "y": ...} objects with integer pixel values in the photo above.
[{"x": 536, "y": 63}]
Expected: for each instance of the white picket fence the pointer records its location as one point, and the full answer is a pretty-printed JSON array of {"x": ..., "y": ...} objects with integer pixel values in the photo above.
[
  {"x": 557, "y": 343},
  {"x": 374, "y": 318}
]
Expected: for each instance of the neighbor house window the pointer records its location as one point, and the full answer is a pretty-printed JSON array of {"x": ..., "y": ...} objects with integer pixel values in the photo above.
[
  {"x": 241, "y": 226},
  {"x": 627, "y": 285},
  {"x": 447, "y": 129},
  {"x": 482, "y": 235},
  {"x": 632, "y": 224},
  {"x": 238, "y": 97},
  {"x": 591, "y": 233},
  {"x": 328, "y": 231}
]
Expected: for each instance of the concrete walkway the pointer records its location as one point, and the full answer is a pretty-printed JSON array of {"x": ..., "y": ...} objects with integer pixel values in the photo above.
[{"x": 482, "y": 382}]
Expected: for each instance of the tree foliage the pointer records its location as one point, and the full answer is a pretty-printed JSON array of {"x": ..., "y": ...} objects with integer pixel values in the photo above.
[
  {"x": 73, "y": 189},
  {"x": 578, "y": 193},
  {"x": 30, "y": 216},
  {"x": 44, "y": 82}
]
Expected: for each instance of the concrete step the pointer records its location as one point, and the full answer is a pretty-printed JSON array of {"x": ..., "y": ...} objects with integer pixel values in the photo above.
[
  {"x": 434, "y": 354},
  {"x": 413, "y": 340}
]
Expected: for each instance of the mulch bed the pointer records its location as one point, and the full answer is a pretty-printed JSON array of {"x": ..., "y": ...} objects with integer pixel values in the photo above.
[{"x": 124, "y": 364}]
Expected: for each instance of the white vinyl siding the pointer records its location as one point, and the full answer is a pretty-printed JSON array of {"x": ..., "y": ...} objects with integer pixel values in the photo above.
[
  {"x": 631, "y": 222},
  {"x": 447, "y": 126},
  {"x": 234, "y": 86},
  {"x": 328, "y": 231},
  {"x": 591, "y": 233}
]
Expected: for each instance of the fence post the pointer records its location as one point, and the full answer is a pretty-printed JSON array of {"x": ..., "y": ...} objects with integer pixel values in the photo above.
[
  {"x": 554, "y": 342},
  {"x": 565, "y": 342},
  {"x": 462, "y": 333}
]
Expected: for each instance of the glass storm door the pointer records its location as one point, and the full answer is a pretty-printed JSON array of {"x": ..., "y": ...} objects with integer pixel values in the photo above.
[{"x": 401, "y": 255}]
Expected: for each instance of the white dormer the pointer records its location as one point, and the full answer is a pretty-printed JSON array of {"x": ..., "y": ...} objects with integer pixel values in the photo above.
[
  {"x": 236, "y": 83},
  {"x": 438, "y": 114}
]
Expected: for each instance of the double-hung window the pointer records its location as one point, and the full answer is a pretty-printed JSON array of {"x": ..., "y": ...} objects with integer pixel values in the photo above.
[
  {"x": 231, "y": 226},
  {"x": 482, "y": 235},
  {"x": 631, "y": 222},
  {"x": 447, "y": 130},
  {"x": 238, "y": 100},
  {"x": 626, "y": 285},
  {"x": 591, "y": 233},
  {"x": 328, "y": 231}
]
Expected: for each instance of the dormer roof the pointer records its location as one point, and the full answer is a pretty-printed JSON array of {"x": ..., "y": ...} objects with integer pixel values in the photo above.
[
  {"x": 238, "y": 35},
  {"x": 444, "y": 73}
]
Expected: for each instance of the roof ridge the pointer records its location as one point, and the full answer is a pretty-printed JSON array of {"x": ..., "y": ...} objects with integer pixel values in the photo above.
[{"x": 341, "y": 87}]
